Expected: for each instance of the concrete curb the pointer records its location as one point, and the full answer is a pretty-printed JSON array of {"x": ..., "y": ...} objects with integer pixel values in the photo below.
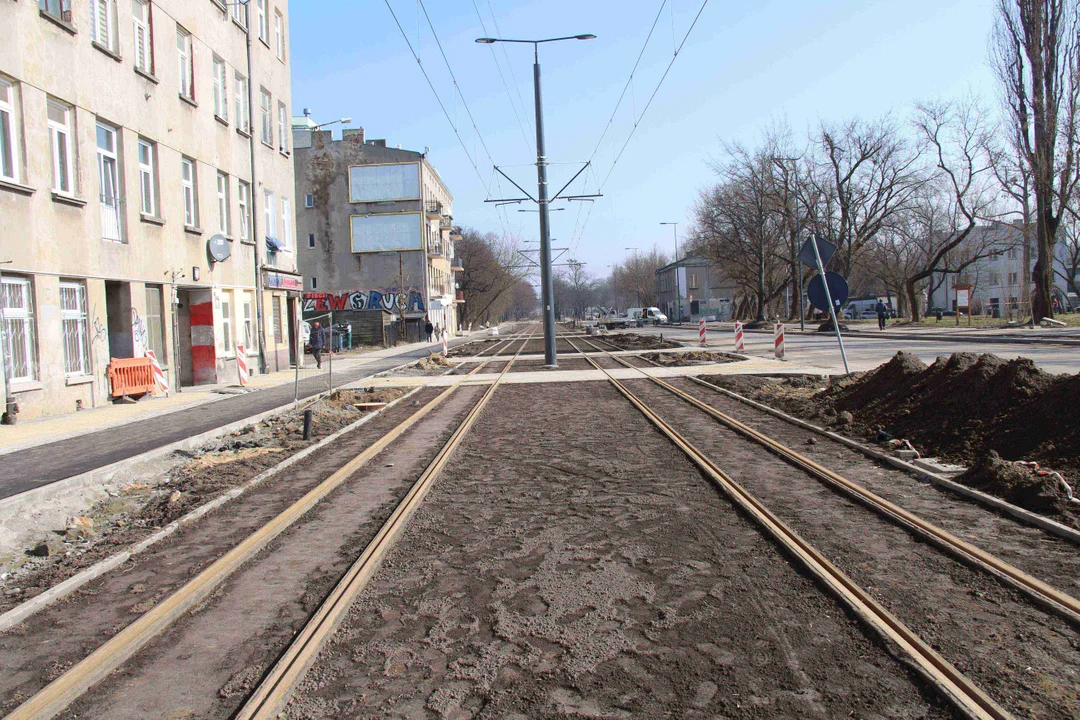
[
  {"x": 996, "y": 503},
  {"x": 24, "y": 610},
  {"x": 922, "y": 337}
]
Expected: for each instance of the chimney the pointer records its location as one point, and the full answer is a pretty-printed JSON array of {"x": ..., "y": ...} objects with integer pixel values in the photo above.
[{"x": 355, "y": 135}]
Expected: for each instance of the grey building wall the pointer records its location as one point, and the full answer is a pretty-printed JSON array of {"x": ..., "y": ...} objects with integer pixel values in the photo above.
[{"x": 704, "y": 289}]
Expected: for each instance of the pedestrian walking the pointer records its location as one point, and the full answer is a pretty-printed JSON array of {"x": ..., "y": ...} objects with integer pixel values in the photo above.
[
  {"x": 438, "y": 331},
  {"x": 317, "y": 343},
  {"x": 428, "y": 328},
  {"x": 881, "y": 310}
]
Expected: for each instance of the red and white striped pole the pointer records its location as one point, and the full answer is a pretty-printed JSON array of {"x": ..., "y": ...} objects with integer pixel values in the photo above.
[
  {"x": 701, "y": 331},
  {"x": 159, "y": 376},
  {"x": 778, "y": 341},
  {"x": 444, "y": 343},
  {"x": 739, "y": 346},
  {"x": 241, "y": 365}
]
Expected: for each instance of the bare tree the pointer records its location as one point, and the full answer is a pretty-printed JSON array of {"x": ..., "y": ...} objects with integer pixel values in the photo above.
[
  {"x": 488, "y": 278},
  {"x": 1069, "y": 253},
  {"x": 1035, "y": 50},
  {"x": 634, "y": 280}
]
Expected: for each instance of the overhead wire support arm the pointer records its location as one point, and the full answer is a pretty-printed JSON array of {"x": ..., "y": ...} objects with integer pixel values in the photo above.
[
  {"x": 583, "y": 169},
  {"x": 523, "y": 190}
]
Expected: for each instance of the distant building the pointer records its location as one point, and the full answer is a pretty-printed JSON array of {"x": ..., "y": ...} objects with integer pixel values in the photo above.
[
  {"x": 146, "y": 193},
  {"x": 695, "y": 287},
  {"x": 376, "y": 237}
]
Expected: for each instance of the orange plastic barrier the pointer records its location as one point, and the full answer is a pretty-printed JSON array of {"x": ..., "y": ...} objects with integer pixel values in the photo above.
[{"x": 131, "y": 376}]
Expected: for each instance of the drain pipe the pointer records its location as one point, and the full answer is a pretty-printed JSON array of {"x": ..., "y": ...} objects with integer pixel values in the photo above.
[{"x": 253, "y": 200}]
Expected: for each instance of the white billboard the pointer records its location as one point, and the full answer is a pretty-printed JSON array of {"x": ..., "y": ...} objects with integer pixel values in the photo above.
[
  {"x": 384, "y": 183},
  {"x": 386, "y": 233}
]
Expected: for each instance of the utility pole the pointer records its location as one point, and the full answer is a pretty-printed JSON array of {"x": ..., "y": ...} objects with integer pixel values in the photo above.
[
  {"x": 678, "y": 292},
  {"x": 547, "y": 293}
]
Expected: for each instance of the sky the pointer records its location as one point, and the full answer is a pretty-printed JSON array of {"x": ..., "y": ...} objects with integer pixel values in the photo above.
[{"x": 742, "y": 67}]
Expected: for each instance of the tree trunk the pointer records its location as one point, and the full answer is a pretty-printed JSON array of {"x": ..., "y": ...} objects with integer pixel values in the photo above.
[{"x": 915, "y": 313}]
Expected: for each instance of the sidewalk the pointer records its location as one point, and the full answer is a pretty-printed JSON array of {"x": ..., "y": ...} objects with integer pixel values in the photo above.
[{"x": 39, "y": 452}]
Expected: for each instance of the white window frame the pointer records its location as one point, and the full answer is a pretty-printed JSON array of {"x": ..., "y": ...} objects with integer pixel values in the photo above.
[
  {"x": 59, "y": 9},
  {"x": 103, "y": 20},
  {"x": 142, "y": 29},
  {"x": 223, "y": 203},
  {"x": 266, "y": 108},
  {"x": 109, "y": 183},
  {"x": 283, "y": 128},
  {"x": 147, "y": 178},
  {"x": 311, "y": 240},
  {"x": 240, "y": 12},
  {"x": 75, "y": 328},
  {"x": 263, "y": 21},
  {"x": 286, "y": 240},
  {"x": 279, "y": 35},
  {"x": 269, "y": 214},
  {"x": 227, "y": 320},
  {"x": 9, "y": 138},
  {"x": 190, "y": 194},
  {"x": 309, "y": 201},
  {"x": 24, "y": 316},
  {"x": 221, "y": 89},
  {"x": 60, "y": 136},
  {"x": 243, "y": 195},
  {"x": 246, "y": 323},
  {"x": 243, "y": 115},
  {"x": 185, "y": 56}
]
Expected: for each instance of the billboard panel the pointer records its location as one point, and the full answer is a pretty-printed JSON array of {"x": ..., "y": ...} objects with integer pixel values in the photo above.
[
  {"x": 384, "y": 183},
  {"x": 389, "y": 232}
]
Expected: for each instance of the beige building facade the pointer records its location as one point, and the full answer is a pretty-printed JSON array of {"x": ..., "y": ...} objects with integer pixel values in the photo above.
[{"x": 146, "y": 194}]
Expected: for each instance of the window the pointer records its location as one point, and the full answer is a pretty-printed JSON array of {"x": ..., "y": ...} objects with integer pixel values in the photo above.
[
  {"x": 270, "y": 218},
  {"x": 239, "y": 12},
  {"x": 279, "y": 34},
  {"x": 60, "y": 134},
  {"x": 108, "y": 182},
  {"x": 283, "y": 128},
  {"x": 275, "y": 314},
  {"x": 76, "y": 329},
  {"x": 143, "y": 42},
  {"x": 191, "y": 198},
  {"x": 314, "y": 282},
  {"x": 103, "y": 23},
  {"x": 311, "y": 240},
  {"x": 260, "y": 14},
  {"x": 1012, "y": 253},
  {"x": 246, "y": 329},
  {"x": 60, "y": 9},
  {"x": 285, "y": 229},
  {"x": 9, "y": 155},
  {"x": 185, "y": 58},
  {"x": 223, "y": 203},
  {"x": 244, "y": 196},
  {"x": 309, "y": 201},
  {"x": 1014, "y": 278},
  {"x": 243, "y": 117},
  {"x": 267, "y": 133},
  {"x": 20, "y": 355},
  {"x": 221, "y": 94},
  {"x": 147, "y": 178},
  {"x": 226, "y": 319},
  {"x": 155, "y": 322}
]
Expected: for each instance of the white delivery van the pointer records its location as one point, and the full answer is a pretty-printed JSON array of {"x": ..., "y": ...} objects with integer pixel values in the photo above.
[
  {"x": 861, "y": 309},
  {"x": 647, "y": 315}
]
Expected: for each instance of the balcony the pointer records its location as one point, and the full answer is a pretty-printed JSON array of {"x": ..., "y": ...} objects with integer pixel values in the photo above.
[
  {"x": 460, "y": 296},
  {"x": 434, "y": 209},
  {"x": 435, "y": 249},
  {"x": 455, "y": 265},
  {"x": 446, "y": 222}
]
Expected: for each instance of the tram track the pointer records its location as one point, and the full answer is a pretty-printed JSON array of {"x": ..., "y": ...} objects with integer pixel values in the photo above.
[
  {"x": 964, "y": 692},
  {"x": 69, "y": 686}
]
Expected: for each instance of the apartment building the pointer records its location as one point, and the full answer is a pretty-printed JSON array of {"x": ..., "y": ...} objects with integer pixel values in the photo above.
[
  {"x": 376, "y": 235},
  {"x": 696, "y": 288},
  {"x": 146, "y": 188}
]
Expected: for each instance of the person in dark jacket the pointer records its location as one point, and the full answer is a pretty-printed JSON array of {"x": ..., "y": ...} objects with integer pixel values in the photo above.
[
  {"x": 882, "y": 310},
  {"x": 317, "y": 343},
  {"x": 428, "y": 328}
]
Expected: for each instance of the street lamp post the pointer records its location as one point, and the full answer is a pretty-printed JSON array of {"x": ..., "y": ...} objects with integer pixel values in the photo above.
[
  {"x": 546, "y": 289},
  {"x": 678, "y": 292}
]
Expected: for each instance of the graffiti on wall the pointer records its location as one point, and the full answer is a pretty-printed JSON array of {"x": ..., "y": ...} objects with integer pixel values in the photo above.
[
  {"x": 407, "y": 301},
  {"x": 139, "y": 335},
  {"x": 101, "y": 333}
]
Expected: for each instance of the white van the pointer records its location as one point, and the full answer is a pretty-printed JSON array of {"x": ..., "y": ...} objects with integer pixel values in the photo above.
[
  {"x": 646, "y": 315},
  {"x": 861, "y": 309}
]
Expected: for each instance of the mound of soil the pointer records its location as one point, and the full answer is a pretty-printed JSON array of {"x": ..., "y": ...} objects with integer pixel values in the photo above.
[
  {"x": 434, "y": 361},
  {"x": 633, "y": 341},
  {"x": 1021, "y": 485},
  {"x": 697, "y": 357}
]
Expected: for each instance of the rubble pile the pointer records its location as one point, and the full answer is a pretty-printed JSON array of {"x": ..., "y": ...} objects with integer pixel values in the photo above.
[
  {"x": 633, "y": 341},
  {"x": 696, "y": 357}
]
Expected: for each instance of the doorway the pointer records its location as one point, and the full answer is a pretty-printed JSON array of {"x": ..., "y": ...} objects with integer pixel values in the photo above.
[
  {"x": 118, "y": 317},
  {"x": 195, "y": 337}
]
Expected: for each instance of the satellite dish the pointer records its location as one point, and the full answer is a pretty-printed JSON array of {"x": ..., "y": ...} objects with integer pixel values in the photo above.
[{"x": 219, "y": 248}]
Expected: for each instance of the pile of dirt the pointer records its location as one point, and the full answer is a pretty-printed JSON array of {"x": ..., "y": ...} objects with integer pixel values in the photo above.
[
  {"x": 434, "y": 361},
  {"x": 1022, "y": 485},
  {"x": 633, "y": 341},
  {"x": 697, "y": 357},
  {"x": 961, "y": 408}
]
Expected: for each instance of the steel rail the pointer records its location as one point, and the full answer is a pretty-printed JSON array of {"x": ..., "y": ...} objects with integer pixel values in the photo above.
[
  {"x": 957, "y": 687},
  {"x": 55, "y": 697},
  {"x": 272, "y": 694},
  {"x": 1045, "y": 594}
]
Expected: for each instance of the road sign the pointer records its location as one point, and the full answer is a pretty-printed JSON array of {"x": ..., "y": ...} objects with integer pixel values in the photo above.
[
  {"x": 825, "y": 249},
  {"x": 838, "y": 289}
]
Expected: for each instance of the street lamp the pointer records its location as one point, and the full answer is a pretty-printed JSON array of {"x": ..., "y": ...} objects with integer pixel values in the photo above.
[
  {"x": 343, "y": 121},
  {"x": 546, "y": 290},
  {"x": 678, "y": 294}
]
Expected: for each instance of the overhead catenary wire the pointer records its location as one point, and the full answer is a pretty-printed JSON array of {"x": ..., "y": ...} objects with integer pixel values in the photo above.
[{"x": 502, "y": 77}]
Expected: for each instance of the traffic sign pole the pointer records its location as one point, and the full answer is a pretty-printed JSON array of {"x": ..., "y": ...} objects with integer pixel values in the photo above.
[{"x": 832, "y": 308}]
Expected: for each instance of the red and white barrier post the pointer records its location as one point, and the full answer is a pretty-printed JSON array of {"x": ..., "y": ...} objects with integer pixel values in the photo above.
[
  {"x": 241, "y": 365},
  {"x": 739, "y": 345},
  {"x": 701, "y": 331},
  {"x": 778, "y": 341},
  {"x": 159, "y": 376},
  {"x": 444, "y": 343}
]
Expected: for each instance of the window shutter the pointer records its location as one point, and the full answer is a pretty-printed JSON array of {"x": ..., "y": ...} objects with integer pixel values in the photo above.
[
  {"x": 140, "y": 46},
  {"x": 102, "y": 24}
]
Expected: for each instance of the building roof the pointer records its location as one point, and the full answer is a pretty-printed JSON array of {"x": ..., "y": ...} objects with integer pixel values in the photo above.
[{"x": 687, "y": 261}]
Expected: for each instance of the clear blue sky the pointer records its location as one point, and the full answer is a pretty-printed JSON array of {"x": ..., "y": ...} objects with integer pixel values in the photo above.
[{"x": 744, "y": 66}]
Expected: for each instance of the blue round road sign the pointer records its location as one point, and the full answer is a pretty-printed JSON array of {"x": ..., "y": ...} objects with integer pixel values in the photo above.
[{"x": 838, "y": 289}]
